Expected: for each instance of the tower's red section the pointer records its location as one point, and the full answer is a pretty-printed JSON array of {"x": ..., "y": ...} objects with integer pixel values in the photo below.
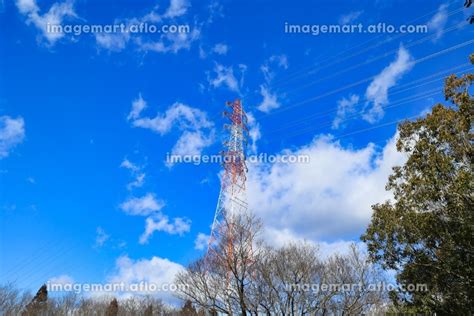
[{"x": 232, "y": 196}]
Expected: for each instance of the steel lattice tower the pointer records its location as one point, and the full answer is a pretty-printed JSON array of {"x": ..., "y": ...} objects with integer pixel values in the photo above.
[{"x": 232, "y": 197}]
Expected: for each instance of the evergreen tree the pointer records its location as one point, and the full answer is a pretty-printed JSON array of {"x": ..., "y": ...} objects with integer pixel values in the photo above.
[{"x": 426, "y": 234}]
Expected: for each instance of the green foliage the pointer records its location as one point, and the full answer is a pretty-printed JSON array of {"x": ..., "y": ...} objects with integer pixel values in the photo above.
[{"x": 426, "y": 234}]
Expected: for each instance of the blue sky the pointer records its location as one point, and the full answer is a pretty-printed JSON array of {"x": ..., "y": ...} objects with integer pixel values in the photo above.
[{"x": 87, "y": 121}]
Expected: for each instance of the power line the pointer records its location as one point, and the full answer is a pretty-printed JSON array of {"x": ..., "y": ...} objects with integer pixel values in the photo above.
[
  {"x": 395, "y": 90},
  {"x": 398, "y": 103},
  {"x": 369, "y": 61},
  {"x": 325, "y": 63},
  {"x": 312, "y": 99}
]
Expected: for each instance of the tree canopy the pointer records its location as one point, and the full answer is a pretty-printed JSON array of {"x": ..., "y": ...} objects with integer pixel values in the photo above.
[{"x": 425, "y": 234}]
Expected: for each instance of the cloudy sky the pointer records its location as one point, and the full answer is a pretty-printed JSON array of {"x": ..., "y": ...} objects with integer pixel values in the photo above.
[{"x": 87, "y": 120}]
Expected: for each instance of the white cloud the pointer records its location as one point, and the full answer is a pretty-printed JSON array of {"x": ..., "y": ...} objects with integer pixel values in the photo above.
[
  {"x": 101, "y": 237},
  {"x": 63, "y": 279},
  {"x": 344, "y": 108},
  {"x": 254, "y": 131},
  {"x": 170, "y": 42},
  {"x": 138, "y": 182},
  {"x": 216, "y": 10},
  {"x": 268, "y": 71},
  {"x": 350, "y": 17},
  {"x": 281, "y": 237},
  {"x": 202, "y": 53},
  {"x": 329, "y": 198},
  {"x": 136, "y": 171},
  {"x": 280, "y": 60},
  {"x": 12, "y": 133},
  {"x": 151, "y": 207},
  {"x": 127, "y": 164},
  {"x": 160, "y": 43},
  {"x": 270, "y": 100},
  {"x": 201, "y": 241},
  {"x": 341, "y": 247},
  {"x": 197, "y": 130},
  {"x": 377, "y": 92},
  {"x": 114, "y": 42},
  {"x": 177, "y": 8},
  {"x": 438, "y": 21},
  {"x": 220, "y": 49},
  {"x": 143, "y": 206},
  {"x": 179, "y": 114},
  {"x": 224, "y": 76},
  {"x": 27, "y": 6},
  {"x": 160, "y": 222},
  {"x": 55, "y": 16},
  {"x": 191, "y": 143},
  {"x": 243, "y": 70},
  {"x": 158, "y": 272}
]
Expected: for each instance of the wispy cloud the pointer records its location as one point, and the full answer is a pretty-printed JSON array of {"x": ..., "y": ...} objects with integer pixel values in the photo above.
[
  {"x": 127, "y": 164},
  {"x": 101, "y": 237},
  {"x": 270, "y": 99},
  {"x": 220, "y": 49},
  {"x": 344, "y": 108},
  {"x": 377, "y": 92},
  {"x": 160, "y": 222},
  {"x": 151, "y": 208},
  {"x": 267, "y": 68},
  {"x": 138, "y": 105},
  {"x": 201, "y": 241},
  {"x": 438, "y": 21},
  {"x": 254, "y": 131},
  {"x": 224, "y": 76},
  {"x": 197, "y": 131},
  {"x": 143, "y": 206},
  {"x": 57, "y": 13},
  {"x": 12, "y": 133},
  {"x": 166, "y": 42},
  {"x": 192, "y": 143},
  {"x": 61, "y": 279},
  {"x": 136, "y": 172},
  {"x": 177, "y": 8},
  {"x": 170, "y": 42},
  {"x": 113, "y": 42},
  {"x": 179, "y": 114},
  {"x": 350, "y": 17}
]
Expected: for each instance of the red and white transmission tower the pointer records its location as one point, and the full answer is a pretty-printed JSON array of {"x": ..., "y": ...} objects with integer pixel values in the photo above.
[{"x": 232, "y": 197}]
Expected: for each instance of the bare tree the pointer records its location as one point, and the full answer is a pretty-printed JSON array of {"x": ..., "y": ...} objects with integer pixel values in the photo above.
[
  {"x": 291, "y": 280},
  {"x": 359, "y": 283},
  {"x": 64, "y": 305},
  {"x": 285, "y": 276},
  {"x": 12, "y": 301},
  {"x": 221, "y": 281}
]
